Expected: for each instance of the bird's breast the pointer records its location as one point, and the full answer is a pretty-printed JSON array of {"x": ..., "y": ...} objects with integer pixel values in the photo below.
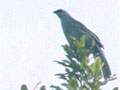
[{"x": 71, "y": 30}]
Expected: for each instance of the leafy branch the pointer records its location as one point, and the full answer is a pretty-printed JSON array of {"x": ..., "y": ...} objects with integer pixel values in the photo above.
[{"x": 80, "y": 72}]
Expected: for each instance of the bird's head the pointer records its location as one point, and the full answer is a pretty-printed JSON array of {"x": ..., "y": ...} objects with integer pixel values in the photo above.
[{"x": 62, "y": 14}]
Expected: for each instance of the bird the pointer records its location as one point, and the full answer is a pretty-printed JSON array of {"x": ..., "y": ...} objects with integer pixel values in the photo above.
[{"x": 73, "y": 28}]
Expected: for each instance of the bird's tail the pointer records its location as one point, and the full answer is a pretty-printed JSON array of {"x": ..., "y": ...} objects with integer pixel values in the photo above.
[{"x": 106, "y": 69}]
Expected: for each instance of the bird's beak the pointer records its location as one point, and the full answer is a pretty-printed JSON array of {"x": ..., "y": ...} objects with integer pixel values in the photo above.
[{"x": 55, "y": 12}]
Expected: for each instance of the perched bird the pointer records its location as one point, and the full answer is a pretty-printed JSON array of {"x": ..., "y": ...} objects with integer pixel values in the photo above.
[{"x": 72, "y": 27}]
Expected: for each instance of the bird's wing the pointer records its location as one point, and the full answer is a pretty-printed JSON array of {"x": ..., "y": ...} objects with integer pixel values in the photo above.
[{"x": 84, "y": 29}]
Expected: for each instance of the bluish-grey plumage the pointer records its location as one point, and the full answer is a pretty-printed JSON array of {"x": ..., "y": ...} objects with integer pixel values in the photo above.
[{"x": 72, "y": 27}]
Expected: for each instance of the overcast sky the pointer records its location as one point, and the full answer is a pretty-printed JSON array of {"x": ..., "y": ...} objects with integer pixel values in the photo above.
[{"x": 31, "y": 38}]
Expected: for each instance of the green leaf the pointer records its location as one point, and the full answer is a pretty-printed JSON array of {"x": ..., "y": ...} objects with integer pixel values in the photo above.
[
  {"x": 24, "y": 87},
  {"x": 61, "y": 76},
  {"x": 96, "y": 68},
  {"x": 73, "y": 84},
  {"x": 62, "y": 63},
  {"x": 83, "y": 87},
  {"x": 68, "y": 50},
  {"x": 82, "y": 41},
  {"x": 42, "y": 88},
  {"x": 56, "y": 87},
  {"x": 116, "y": 88},
  {"x": 73, "y": 41}
]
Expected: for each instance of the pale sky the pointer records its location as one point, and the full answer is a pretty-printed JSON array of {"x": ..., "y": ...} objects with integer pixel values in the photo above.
[{"x": 31, "y": 37}]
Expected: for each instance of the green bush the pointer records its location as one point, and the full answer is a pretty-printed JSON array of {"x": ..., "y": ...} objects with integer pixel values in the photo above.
[{"x": 80, "y": 72}]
